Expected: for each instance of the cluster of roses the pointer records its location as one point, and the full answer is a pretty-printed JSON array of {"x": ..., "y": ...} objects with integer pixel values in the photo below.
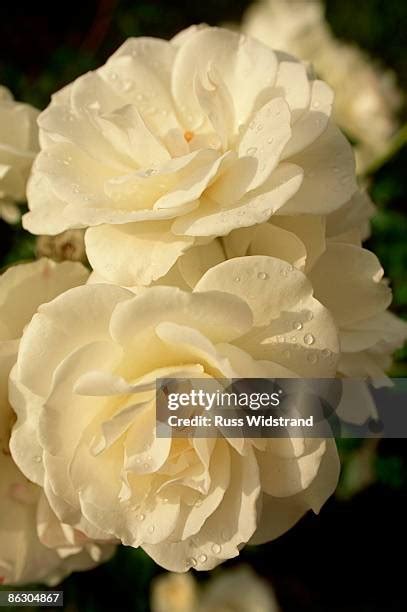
[{"x": 223, "y": 227}]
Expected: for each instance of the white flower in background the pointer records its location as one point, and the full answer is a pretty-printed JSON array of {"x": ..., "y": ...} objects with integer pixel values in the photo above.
[
  {"x": 34, "y": 545},
  {"x": 174, "y": 593},
  {"x": 172, "y": 143},
  {"x": 237, "y": 590},
  {"x": 86, "y": 364},
  {"x": 366, "y": 97},
  {"x": 18, "y": 148},
  {"x": 69, "y": 245}
]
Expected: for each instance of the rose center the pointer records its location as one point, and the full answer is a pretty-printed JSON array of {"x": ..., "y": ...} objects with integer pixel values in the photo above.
[{"x": 188, "y": 136}]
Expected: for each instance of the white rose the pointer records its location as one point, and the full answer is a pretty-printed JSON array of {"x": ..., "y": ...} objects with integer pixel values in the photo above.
[
  {"x": 171, "y": 143},
  {"x": 237, "y": 589},
  {"x": 366, "y": 97},
  {"x": 18, "y": 147},
  {"x": 79, "y": 392},
  {"x": 34, "y": 545},
  {"x": 174, "y": 593},
  {"x": 346, "y": 278}
]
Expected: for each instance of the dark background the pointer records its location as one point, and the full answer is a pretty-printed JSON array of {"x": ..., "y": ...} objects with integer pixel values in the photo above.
[{"x": 352, "y": 556}]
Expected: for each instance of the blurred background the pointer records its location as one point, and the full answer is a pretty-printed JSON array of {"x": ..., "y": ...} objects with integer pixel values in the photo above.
[{"x": 350, "y": 557}]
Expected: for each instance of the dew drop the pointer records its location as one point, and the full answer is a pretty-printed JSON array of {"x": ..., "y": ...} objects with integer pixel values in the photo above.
[
  {"x": 202, "y": 558},
  {"x": 259, "y": 128},
  {"x": 251, "y": 150},
  {"x": 151, "y": 529},
  {"x": 309, "y": 339},
  {"x": 237, "y": 279},
  {"x": 141, "y": 517},
  {"x": 216, "y": 548},
  {"x": 293, "y": 339},
  {"x": 310, "y": 316},
  {"x": 316, "y": 104},
  {"x": 191, "y": 562},
  {"x": 270, "y": 140},
  {"x": 150, "y": 171},
  {"x": 297, "y": 325},
  {"x": 262, "y": 276},
  {"x": 326, "y": 353}
]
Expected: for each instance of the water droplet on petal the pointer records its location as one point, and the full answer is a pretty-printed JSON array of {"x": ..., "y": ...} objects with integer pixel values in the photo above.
[
  {"x": 192, "y": 562},
  {"x": 297, "y": 325},
  {"x": 150, "y": 171},
  {"x": 237, "y": 279},
  {"x": 309, "y": 339},
  {"x": 270, "y": 140},
  {"x": 326, "y": 353},
  {"x": 141, "y": 517},
  {"x": 262, "y": 275},
  {"x": 216, "y": 548},
  {"x": 151, "y": 529},
  {"x": 202, "y": 558},
  {"x": 251, "y": 151}
]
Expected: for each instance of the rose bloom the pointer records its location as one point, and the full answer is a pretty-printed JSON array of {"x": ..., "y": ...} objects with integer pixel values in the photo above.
[
  {"x": 34, "y": 545},
  {"x": 82, "y": 390},
  {"x": 237, "y": 590},
  {"x": 172, "y": 143},
  {"x": 346, "y": 278},
  {"x": 18, "y": 147},
  {"x": 366, "y": 97}
]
